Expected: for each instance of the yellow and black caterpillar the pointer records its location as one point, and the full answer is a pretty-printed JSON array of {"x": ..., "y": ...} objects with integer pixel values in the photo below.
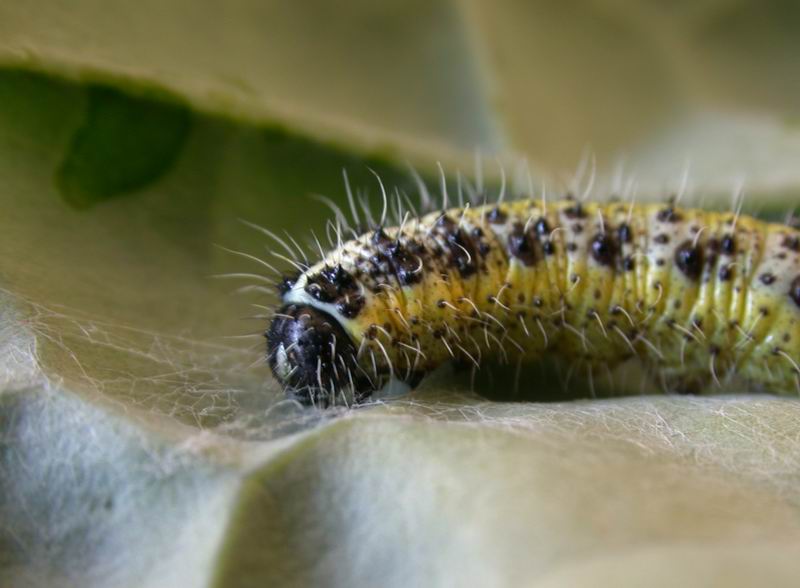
[{"x": 698, "y": 295}]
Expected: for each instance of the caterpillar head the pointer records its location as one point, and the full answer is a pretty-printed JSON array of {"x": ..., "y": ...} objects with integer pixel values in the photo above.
[{"x": 312, "y": 356}]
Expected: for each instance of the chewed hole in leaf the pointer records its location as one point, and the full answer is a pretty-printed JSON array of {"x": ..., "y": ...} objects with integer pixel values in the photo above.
[{"x": 125, "y": 143}]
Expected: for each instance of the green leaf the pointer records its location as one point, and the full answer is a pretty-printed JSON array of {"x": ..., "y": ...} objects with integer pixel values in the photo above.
[
  {"x": 374, "y": 76},
  {"x": 143, "y": 441}
]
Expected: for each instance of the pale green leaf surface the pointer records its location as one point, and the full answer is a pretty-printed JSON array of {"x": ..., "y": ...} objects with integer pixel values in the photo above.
[
  {"x": 141, "y": 447},
  {"x": 374, "y": 75},
  {"x": 650, "y": 85}
]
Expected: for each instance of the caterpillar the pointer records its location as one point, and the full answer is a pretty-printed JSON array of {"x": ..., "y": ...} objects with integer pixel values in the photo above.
[{"x": 698, "y": 295}]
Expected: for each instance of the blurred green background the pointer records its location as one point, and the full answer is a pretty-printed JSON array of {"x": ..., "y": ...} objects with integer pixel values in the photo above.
[{"x": 142, "y": 439}]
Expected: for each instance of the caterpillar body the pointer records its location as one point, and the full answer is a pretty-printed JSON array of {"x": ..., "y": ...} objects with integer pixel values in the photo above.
[{"x": 695, "y": 294}]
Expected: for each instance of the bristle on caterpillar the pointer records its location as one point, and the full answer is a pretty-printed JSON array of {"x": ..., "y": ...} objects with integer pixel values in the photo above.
[{"x": 698, "y": 295}]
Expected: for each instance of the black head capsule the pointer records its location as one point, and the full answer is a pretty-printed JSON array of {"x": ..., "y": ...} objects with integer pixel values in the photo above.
[{"x": 312, "y": 356}]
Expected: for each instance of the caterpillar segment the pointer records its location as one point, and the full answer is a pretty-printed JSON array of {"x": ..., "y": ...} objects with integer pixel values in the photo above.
[{"x": 699, "y": 296}]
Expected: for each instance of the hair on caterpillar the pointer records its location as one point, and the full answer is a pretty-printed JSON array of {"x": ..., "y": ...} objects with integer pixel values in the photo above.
[{"x": 415, "y": 287}]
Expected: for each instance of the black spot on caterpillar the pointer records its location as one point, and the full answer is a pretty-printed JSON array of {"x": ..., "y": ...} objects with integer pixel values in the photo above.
[{"x": 697, "y": 295}]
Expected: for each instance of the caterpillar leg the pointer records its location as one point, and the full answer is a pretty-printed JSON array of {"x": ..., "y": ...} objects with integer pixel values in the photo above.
[
  {"x": 677, "y": 381},
  {"x": 394, "y": 388}
]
